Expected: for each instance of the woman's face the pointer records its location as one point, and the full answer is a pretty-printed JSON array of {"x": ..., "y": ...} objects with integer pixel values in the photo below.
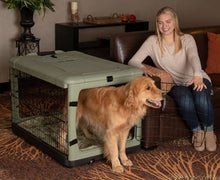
[{"x": 166, "y": 24}]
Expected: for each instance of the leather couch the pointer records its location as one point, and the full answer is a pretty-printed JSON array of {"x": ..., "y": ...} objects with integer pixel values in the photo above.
[{"x": 161, "y": 125}]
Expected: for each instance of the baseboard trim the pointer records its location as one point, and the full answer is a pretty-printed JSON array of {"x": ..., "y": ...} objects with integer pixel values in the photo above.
[{"x": 4, "y": 87}]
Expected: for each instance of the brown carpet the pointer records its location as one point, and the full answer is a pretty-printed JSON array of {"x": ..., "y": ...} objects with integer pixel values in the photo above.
[{"x": 175, "y": 160}]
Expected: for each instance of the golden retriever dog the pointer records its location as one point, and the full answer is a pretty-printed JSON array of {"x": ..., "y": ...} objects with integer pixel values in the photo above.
[{"x": 113, "y": 111}]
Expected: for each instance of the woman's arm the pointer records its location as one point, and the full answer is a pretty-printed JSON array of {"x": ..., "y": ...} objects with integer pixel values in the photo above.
[
  {"x": 193, "y": 59},
  {"x": 192, "y": 56},
  {"x": 141, "y": 54}
]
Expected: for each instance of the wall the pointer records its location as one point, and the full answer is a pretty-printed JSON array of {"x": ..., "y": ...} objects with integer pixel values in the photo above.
[
  {"x": 144, "y": 9},
  {"x": 194, "y": 13}
]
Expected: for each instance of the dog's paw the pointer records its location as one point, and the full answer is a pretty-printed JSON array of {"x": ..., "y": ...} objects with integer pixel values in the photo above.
[
  {"x": 118, "y": 169},
  {"x": 127, "y": 162}
]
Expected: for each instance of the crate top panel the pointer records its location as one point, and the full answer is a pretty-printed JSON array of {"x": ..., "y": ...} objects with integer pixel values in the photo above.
[{"x": 72, "y": 68}]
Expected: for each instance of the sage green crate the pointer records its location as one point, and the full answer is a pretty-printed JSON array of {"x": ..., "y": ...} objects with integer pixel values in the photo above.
[{"x": 69, "y": 72}]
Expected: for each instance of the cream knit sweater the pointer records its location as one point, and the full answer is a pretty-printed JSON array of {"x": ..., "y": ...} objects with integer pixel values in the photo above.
[{"x": 182, "y": 66}]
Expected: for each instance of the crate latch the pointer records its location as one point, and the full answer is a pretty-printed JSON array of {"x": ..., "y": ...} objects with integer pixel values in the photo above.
[
  {"x": 109, "y": 78},
  {"x": 73, "y": 142},
  {"x": 73, "y": 103}
]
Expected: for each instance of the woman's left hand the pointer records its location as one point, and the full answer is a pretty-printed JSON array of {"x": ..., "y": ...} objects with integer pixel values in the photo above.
[{"x": 198, "y": 83}]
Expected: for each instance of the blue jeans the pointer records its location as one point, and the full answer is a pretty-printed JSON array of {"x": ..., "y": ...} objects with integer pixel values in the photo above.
[{"x": 195, "y": 106}]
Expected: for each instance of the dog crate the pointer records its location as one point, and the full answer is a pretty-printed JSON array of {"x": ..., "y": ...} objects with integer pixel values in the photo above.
[{"x": 45, "y": 91}]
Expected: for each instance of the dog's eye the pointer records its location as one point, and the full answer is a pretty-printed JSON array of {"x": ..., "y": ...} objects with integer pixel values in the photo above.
[{"x": 148, "y": 88}]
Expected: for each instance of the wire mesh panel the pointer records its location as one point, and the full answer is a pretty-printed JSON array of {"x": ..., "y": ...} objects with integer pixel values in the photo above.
[{"x": 42, "y": 110}]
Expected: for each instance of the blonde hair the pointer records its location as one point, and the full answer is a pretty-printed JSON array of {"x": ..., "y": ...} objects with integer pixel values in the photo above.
[{"x": 177, "y": 31}]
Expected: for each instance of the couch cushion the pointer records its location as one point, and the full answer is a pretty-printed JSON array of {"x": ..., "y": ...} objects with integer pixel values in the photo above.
[
  {"x": 215, "y": 79},
  {"x": 124, "y": 45},
  {"x": 213, "y": 61}
]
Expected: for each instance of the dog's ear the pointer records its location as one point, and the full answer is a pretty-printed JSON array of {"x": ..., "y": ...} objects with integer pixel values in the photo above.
[{"x": 131, "y": 100}]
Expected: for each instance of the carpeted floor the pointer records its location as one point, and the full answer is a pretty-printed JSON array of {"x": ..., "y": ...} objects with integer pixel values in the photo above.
[{"x": 175, "y": 160}]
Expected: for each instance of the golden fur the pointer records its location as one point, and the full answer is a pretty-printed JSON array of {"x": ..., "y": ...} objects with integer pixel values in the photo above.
[{"x": 113, "y": 111}]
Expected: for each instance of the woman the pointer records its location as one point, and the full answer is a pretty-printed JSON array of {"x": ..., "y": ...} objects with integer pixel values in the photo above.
[{"x": 176, "y": 53}]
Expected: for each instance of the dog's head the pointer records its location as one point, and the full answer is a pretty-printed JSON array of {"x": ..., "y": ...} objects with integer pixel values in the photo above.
[{"x": 143, "y": 91}]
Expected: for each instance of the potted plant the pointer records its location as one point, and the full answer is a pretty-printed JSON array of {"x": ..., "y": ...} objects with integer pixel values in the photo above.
[
  {"x": 38, "y": 5},
  {"x": 27, "y": 8}
]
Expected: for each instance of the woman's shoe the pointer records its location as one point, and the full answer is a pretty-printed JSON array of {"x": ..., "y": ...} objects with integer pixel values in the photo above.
[
  {"x": 198, "y": 140},
  {"x": 210, "y": 141}
]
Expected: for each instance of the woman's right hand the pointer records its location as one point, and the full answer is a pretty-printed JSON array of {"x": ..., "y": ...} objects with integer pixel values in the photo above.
[
  {"x": 198, "y": 83},
  {"x": 147, "y": 72}
]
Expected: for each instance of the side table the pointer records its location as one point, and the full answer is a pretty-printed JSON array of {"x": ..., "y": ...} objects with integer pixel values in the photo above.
[{"x": 67, "y": 34}]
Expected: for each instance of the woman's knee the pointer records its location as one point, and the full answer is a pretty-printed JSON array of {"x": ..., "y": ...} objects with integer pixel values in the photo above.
[
  {"x": 183, "y": 97},
  {"x": 202, "y": 98}
]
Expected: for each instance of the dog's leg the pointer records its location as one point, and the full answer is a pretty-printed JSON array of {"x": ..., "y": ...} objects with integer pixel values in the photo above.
[
  {"x": 122, "y": 148},
  {"x": 111, "y": 151}
]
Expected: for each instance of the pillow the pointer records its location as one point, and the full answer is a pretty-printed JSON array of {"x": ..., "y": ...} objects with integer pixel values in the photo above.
[
  {"x": 165, "y": 77},
  {"x": 213, "y": 61}
]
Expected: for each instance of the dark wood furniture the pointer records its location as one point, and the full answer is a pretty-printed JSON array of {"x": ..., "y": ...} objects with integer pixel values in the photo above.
[{"x": 67, "y": 34}]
